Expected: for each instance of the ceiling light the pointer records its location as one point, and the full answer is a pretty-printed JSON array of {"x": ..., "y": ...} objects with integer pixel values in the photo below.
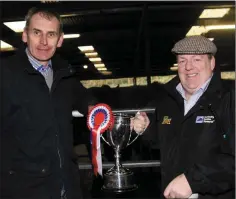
[
  {"x": 174, "y": 68},
  {"x": 69, "y": 15},
  {"x": 69, "y": 36},
  {"x": 86, "y": 48},
  {"x": 17, "y": 26},
  {"x": 93, "y": 54},
  {"x": 214, "y": 13},
  {"x": 198, "y": 30},
  {"x": 211, "y": 39},
  {"x": 5, "y": 46},
  {"x": 85, "y": 66},
  {"x": 106, "y": 72},
  {"x": 175, "y": 64},
  {"x": 220, "y": 27},
  {"x": 101, "y": 69},
  {"x": 95, "y": 59},
  {"x": 99, "y": 65}
]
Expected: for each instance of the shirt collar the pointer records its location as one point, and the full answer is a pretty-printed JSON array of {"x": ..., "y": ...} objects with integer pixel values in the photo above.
[
  {"x": 35, "y": 63},
  {"x": 202, "y": 89}
]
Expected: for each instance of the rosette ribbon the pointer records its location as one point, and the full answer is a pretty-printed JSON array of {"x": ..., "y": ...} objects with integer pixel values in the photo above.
[{"x": 99, "y": 119}]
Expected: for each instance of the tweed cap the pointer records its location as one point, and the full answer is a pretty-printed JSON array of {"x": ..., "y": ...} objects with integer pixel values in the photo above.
[{"x": 194, "y": 45}]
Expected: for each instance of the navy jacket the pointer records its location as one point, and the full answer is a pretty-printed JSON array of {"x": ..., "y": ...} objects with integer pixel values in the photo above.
[
  {"x": 36, "y": 129},
  {"x": 200, "y": 144}
]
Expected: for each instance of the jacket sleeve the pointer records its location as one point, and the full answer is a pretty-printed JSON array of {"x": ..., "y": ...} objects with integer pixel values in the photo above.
[
  {"x": 217, "y": 175},
  {"x": 150, "y": 135},
  {"x": 84, "y": 98}
]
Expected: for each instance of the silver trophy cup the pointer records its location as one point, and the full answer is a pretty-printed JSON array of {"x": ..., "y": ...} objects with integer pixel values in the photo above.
[{"x": 119, "y": 179}]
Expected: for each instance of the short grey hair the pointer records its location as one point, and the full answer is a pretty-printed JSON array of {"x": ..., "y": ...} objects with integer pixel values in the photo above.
[{"x": 48, "y": 14}]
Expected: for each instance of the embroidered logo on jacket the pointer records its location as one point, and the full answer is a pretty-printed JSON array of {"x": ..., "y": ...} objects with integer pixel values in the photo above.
[
  {"x": 205, "y": 119},
  {"x": 166, "y": 120}
]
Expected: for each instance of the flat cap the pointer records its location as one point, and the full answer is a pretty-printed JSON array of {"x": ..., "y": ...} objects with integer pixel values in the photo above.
[{"x": 194, "y": 45}]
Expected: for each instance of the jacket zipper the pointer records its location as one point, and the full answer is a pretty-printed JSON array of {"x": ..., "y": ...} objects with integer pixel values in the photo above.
[
  {"x": 57, "y": 133},
  {"x": 58, "y": 151}
]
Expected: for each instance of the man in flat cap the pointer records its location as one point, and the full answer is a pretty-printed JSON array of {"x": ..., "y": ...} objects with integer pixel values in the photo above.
[{"x": 195, "y": 126}]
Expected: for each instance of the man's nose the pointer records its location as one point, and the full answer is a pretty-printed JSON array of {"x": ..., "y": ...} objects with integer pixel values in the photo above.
[
  {"x": 189, "y": 65},
  {"x": 43, "y": 40}
]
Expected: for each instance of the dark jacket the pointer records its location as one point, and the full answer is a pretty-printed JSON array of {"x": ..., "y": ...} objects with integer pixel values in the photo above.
[
  {"x": 36, "y": 129},
  {"x": 199, "y": 144}
]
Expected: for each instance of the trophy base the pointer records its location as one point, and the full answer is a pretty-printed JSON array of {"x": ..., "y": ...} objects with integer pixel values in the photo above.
[
  {"x": 119, "y": 180},
  {"x": 113, "y": 190}
]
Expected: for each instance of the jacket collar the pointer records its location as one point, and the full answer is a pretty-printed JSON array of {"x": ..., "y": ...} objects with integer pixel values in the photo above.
[{"x": 58, "y": 65}]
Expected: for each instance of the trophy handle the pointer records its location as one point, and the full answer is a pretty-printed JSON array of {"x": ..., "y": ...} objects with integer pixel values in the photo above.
[
  {"x": 129, "y": 143},
  {"x": 105, "y": 140}
]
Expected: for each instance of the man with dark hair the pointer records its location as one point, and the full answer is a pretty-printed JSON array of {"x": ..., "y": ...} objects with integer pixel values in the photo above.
[
  {"x": 196, "y": 128},
  {"x": 38, "y": 93}
]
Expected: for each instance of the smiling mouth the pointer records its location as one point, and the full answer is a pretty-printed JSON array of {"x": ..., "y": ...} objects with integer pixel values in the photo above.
[{"x": 192, "y": 75}]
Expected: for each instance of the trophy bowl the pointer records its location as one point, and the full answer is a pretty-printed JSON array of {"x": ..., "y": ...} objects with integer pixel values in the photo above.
[{"x": 119, "y": 179}]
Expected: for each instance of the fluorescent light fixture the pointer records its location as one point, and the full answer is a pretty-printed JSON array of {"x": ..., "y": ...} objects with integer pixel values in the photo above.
[
  {"x": 101, "y": 69},
  {"x": 211, "y": 39},
  {"x": 93, "y": 54},
  {"x": 174, "y": 68},
  {"x": 214, "y": 13},
  {"x": 68, "y": 15},
  {"x": 69, "y": 36},
  {"x": 106, "y": 72},
  {"x": 99, "y": 65},
  {"x": 17, "y": 26},
  {"x": 198, "y": 30},
  {"x": 175, "y": 65},
  {"x": 220, "y": 27},
  {"x": 95, "y": 59},
  {"x": 5, "y": 46},
  {"x": 85, "y": 66},
  {"x": 86, "y": 48}
]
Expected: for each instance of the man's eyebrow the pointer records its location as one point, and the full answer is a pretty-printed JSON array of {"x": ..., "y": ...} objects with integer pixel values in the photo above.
[
  {"x": 198, "y": 56},
  {"x": 55, "y": 32},
  {"x": 37, "y": 29}
]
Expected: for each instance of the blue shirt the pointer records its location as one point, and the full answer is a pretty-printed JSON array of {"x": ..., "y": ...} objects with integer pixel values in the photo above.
[{"x": 188, "y": 104}]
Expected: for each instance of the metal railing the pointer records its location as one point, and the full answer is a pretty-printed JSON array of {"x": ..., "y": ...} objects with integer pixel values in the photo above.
[{"x": 127, "y": 164}]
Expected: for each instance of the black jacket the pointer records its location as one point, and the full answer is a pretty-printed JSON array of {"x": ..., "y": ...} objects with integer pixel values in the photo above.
[
  {"x": 200, "y": 144},
  {"x": 36, "y": 129}
]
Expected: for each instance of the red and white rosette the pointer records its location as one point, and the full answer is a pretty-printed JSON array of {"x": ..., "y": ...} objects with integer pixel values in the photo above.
[{"x": 99, "y": 119}]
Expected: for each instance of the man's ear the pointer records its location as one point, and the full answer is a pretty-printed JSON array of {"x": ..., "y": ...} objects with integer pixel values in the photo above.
[
  {"x": 60, "y": 41},
  {"x": 213, "y": 62},
  {"x": 24, "y": 36}
]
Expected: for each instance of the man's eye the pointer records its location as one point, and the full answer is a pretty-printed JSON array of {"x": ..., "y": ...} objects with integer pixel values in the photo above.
[
  {"x": 51, "y": 34},
  {"x": 36, "y": 32}
]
